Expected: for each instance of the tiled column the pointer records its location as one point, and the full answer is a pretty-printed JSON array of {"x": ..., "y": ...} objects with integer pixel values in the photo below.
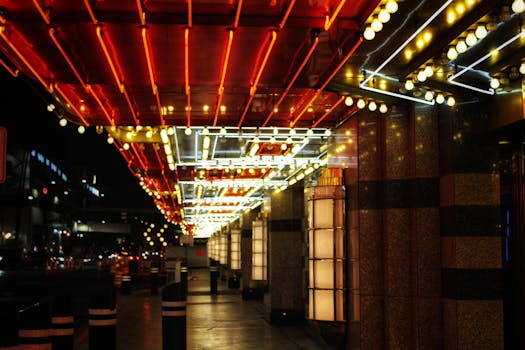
[
  {"x": 470, "y": 234},
  {"x": 394, "y": 241},
  {"x": 286, "y": 256}
]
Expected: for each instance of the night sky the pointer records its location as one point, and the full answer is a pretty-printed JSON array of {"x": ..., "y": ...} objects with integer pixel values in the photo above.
[{"x": 23, "y": 111}]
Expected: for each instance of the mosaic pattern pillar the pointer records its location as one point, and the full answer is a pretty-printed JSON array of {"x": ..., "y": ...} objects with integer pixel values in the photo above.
[
  {"x": 393, "y": 224},
  {"x": 470, "y": 233}
]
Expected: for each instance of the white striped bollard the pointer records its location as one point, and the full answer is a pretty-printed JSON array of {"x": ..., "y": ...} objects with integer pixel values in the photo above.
[
  {"x": 184, "y": 278},
  {"x": 154, "y": 280},
  {"x": 102, "y": 322},
  {"x": 126, "y": 284},
  {"x": 173, "y": 317},
  {"x": 34, "y": 329},
  {"x": 214, "y": 274},
  {"x": 62, "y": 323}
]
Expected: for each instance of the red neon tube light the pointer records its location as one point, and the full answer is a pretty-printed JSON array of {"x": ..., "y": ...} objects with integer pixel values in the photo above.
[
  {"x": 341, "y": 99},
  {"x": 292, "y": 81},
  {"x": 253, "y": 88},
  {"x": 14, "y": 73},
  {"x": 329, "y": 22},
  {"x": 327, "y": 81},
  {"x": 71, "y": 105}
]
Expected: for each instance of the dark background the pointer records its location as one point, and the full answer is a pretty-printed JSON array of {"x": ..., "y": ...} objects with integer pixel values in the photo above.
[{"x": 23, "y": 111}]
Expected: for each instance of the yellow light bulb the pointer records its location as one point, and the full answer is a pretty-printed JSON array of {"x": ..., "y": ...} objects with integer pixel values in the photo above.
[
  {"x": 369, "y": 33},
  {"x": 391, "y": 6},
  {"x": 409, "y": 84},
  {"x": 440, "y": 98},
  {"x": 349, "y": 101},
  {"x": 361, "y": 103},
  {"x": 383, "y": 108}
]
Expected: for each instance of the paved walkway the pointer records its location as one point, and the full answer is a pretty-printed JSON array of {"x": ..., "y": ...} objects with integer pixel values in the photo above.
[{"x": 217, "y": 322}]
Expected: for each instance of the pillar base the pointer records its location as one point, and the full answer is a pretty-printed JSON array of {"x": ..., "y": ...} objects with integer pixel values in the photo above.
[{"x": 287, "y": 317}]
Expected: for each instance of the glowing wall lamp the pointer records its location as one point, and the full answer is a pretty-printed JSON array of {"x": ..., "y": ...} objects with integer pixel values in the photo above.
[
  {"x": 235, "y": 255},
  {"x": 326, "y": 239},
  {"x": 259, "y": 250}
]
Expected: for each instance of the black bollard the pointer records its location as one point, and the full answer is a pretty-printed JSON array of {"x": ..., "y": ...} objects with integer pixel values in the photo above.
[
  {"x": 8, "y": 325},
  {"x": 154, "y": 279},
  {"x": 126, "y": 284},
  {"x": 62, "y": 323},
  {"x": 102, "y": 315},
  {"x": 214, "y": 274},
  {"x": 184, "y": 278},
  {"x": 173, "y": 317},
  {"x": 34, "y": 329}
]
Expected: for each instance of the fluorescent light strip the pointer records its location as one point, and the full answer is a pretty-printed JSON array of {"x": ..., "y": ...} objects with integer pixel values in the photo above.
[
  {"x": 399, "y": 49},
  {"x": 469, "y": 67},
  {"x": 363, "y": 85},
  {"x": 473, "y": 88}
]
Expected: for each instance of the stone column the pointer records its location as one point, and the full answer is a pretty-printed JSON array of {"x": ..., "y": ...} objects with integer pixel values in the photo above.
[
  {"x": 286, "y": 256},
  {"x": 393, "y": 232},
  {"x": 470, "y": 232}
]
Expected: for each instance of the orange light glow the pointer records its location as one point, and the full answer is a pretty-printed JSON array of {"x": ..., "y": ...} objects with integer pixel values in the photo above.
[
  {"x": 220, "y": 91},
  {"x": 49, "y": 87},
  {"x": 43, "y": 13},
  {"x": 14, "y": 73},
  {"x": 253, "y": 88},
  {"x": 142, "y": 15},
  {"x": 190, "y": 14},
  {"x": 90, "y": 11},
  {"x": 292, "y": 81},
  {"x": 341, "y": 99},
  {"x": 77, "y": 74},
  {"x": 71, "y": 105},
  {"x": 287, "y": 14},
  {"x": 329, "y": 22},
  {"x": 187, "y": 73},
  {"x": 109, "y": 59},
  {"x": 149, "y": 61},
  {"x": 327, "y": 81},
  {"x": 237, "y": 14}
]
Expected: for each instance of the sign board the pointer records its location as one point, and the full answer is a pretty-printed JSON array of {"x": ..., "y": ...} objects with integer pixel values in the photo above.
[{"x": 3, "y": 153}]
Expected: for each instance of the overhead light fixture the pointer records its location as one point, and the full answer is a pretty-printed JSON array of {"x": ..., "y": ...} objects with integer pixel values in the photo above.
[
  {"x": 369, "y": 33},
  {"x": 440, "y": 98},
  {"x": 62, "y": 122},
  {"x": 522, "y": 68},
  {"x": 372, "y": 106},
  {"x": 429, "y": 71},
  {"x": 223, "y": 131},
  {"x": 361, "y": 103},
  {"x": 471, "y": 39},
  {"x": 452, "y": 53},
  {"x": 461, "y": 46},
  {"x": 481, "y": 31},
  {"x": 376, "y": 24},
  {"x": 383, "y": 108},
  {"x": 421, "y": 76},
  {"x": 391, "y": 6},
  {"x": 451, "y": 101},
  {"x": 205, "y": 131},
  {"x": 494, "y": 83},
  {"x": 429, "y": 95},
  {"x": 187, "y": 131},
  {"x": 81, "y": 129},
  {"x": 348, "y": 101},
  {"x": 110, "y": 140},
  {"x": 384, "y": 15},
  {"x": 125, "y": 146},
  {"x": 409, "y": 84},
  {"x": 518, "y": 6}
]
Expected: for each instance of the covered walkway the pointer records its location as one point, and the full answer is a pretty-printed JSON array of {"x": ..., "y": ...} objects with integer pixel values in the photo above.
[{"x": 217, "y": 322}]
